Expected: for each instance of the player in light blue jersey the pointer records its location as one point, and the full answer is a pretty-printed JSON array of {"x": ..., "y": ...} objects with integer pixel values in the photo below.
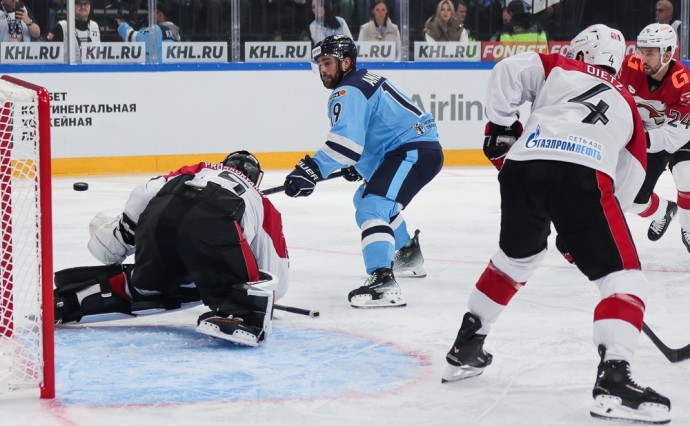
[
  {"x": 381, "y": 136},
  {"x": 165, "y": 32}
]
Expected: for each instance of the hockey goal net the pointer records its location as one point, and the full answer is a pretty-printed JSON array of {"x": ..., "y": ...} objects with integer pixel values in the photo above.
[{"x": 26, "y": 282}]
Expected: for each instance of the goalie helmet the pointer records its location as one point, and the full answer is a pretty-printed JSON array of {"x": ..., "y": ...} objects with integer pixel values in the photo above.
[
  {"x": 600, "y": 45},
  {"x": 245, "y": 162},
  {"x": 338, "y": 46},
  {"x": 662, "y": 36}
]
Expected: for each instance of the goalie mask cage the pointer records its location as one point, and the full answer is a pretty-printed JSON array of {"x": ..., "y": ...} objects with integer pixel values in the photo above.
[{"x": 26, "y": 280}]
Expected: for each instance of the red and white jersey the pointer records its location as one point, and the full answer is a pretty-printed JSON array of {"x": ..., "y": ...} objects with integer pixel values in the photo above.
[
  {"x": 665, "y": 110},
  {"x": 261, "y": 223},
  {"x": 580, "y": 114}
]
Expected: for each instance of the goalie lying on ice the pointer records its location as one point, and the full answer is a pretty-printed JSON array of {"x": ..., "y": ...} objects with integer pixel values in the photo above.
[{"x": 204, "y": 232}]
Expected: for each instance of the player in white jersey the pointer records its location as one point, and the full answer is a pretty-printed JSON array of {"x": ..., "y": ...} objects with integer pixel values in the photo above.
[
  {"x": 204, "y": 232},
  {"x": 661, "y": 88},
  {"x": 578, "y": 165}
]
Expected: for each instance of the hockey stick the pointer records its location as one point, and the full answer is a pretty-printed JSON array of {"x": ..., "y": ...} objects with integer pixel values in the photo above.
[
  {"x": 308, "y": 312},
  {"x": 673, "y": 355},
  {"x": 281, "y": 188}
]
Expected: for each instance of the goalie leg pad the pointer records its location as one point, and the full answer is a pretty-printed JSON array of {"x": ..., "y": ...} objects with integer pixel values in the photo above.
[
  {"x": 247, "y": 317},
  {"x": 90, "y": 290}
]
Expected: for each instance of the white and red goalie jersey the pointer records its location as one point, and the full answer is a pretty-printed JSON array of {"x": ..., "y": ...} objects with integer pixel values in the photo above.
[
  {"x": 261, "y": 223},
  {"x": 580, "y": 114},
  {"x": 665, "y": 110}
]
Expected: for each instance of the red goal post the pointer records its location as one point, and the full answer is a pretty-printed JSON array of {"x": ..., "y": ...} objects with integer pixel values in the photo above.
[{"x": 26, "y": 262}]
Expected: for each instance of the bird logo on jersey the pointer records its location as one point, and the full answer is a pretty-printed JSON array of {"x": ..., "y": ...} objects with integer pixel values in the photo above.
[
  {"x": 651, "y": 115},
  {"x": 685, "y": 99}
]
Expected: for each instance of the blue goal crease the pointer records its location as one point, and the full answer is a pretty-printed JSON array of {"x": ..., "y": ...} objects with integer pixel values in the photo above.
[{"x": 143, "y": 365}]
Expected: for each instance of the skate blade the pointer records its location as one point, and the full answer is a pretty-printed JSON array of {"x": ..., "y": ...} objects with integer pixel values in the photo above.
[
  {"x": 238, "y": 337},
  {"x": 610, "y": 408},
  {"x": 454, "y": 374},
  {"x": 417, "y": 271},
  {"x": 409, "y": 273},
  {"x": 366, "y": 302}
]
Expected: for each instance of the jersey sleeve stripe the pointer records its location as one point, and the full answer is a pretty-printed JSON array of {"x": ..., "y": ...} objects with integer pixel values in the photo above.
[{"x": 341, "y": 154}]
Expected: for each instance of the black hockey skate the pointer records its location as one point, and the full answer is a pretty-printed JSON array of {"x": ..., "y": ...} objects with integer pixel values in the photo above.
[
  {"x": 229, "y": 328},
  {"x": 685, "y": 236},
  {"x": 467, "y": 358},
  {"x": 658, "y": 227},
  {"x": 408, "y": 261},
  {"x": 618, "y": 397},
  {"x": 380, "y": 291}
]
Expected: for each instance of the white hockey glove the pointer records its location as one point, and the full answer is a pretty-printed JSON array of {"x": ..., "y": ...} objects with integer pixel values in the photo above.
[{"x": 106, "y": 243}]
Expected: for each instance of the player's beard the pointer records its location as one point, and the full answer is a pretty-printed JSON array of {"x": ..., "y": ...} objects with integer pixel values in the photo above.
[
  {"x": 649, "y": 71},
  {"x": 331, "y": 83}
]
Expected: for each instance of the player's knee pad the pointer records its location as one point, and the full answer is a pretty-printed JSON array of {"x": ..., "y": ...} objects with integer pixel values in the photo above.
[
  {"x": 88, "y": 290},
  {"x": 519, "y": 270},
  {"x": 630, "y": 281},
  {"x": 375, "y": 207}
]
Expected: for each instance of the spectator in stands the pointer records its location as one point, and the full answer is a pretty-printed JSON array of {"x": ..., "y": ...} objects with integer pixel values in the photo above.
[
  {"x": 87, "y": 31},
  {"x": 332, "y": 25},
  {"x": 506, "y": 17},
  {"x": 461, "y": 14},
  {"x": 664, "y": 14},
  {"x": 380, "y": 27},
  {"x": 445, "y": 25},
  {"x": 17, "y": 23},
  {"x": 165, "y": 31},
  {"x": 523, "y": 28}
]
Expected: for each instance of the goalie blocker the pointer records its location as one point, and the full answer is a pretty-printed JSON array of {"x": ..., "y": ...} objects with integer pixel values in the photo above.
[{"x": 98, "y": 291}]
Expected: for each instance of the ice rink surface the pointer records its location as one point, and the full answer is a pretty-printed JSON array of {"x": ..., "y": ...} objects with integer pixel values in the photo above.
[{"x": 360, "y": 367}]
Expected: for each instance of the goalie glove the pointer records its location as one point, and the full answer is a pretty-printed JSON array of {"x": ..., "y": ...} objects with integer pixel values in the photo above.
[
  {"x": 302, "y": 181},
  {"x": 107, "y": 243},
  {"x": 498, "y": 140}
]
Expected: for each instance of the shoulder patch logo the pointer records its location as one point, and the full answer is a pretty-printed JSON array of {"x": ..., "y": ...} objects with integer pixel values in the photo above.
[{"x": 338, "y": 93}]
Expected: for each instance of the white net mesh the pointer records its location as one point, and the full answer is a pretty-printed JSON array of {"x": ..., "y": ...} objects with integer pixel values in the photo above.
[{"x": 20, "y": 264}]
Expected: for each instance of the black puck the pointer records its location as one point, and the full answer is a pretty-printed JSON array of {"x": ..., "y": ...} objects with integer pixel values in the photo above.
[{"x": 80, "y": 186}]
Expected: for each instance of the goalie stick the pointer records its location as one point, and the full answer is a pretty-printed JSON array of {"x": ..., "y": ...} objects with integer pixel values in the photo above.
[
  {"x": 281, "y": 188},
  {"x": 673, "y": 355},
  {"x": 308, "y": 312}
]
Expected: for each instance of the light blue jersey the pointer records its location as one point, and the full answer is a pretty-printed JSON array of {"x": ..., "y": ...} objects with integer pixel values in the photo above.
[
  {"x": 393, "y": 144},
  {"x": 165, "y": 32},
  {"x": 370, "y": 118}
]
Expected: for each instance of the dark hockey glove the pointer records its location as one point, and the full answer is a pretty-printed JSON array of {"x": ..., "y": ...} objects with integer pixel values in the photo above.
[
  {"x": 351, "y": 174},
  {"x": 498, "y": 140},
  {"x": 302, "y": 181}
]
